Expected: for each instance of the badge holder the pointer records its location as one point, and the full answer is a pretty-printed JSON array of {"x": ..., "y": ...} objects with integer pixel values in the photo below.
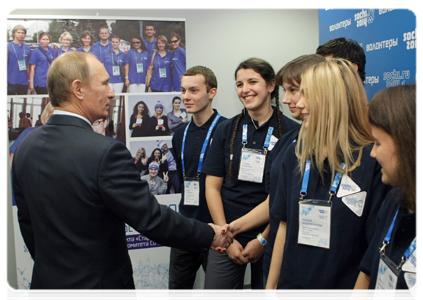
[
  {"x": 140, "y": 68},
  {"x": 192, "y": 190},
  {"x": 116, "y": 71},
  {"x": 162, "y": 72},
  {"x": 252, "y": 165},
  {"x": 22, "y": 65}
]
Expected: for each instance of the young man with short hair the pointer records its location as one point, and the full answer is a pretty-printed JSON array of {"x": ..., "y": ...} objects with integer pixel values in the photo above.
[
  {"x": 190, "y": 145},
  {"x": 151, "y": 40},
  {"x": 103, "y": 45},
  {"x": 347, "y": 49},
  {"x": 18, "y": 54}
]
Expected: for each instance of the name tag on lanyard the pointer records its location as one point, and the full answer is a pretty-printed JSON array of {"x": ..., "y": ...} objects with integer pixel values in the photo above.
[
  {"x": 315, "y": 215},
  {"x": 388, "y": 273},
  {"x": 116, "y": 71},
  {"x": 252, "y": 162},
  {"x": 22, "y": 65},
  {"x": 140, "y": 68},
  {"x": 314, "y": 226},
  {"x": 192, "y": 184},
  {"x": 162, "y": 72},
  {"x": 192, "y": 191}
]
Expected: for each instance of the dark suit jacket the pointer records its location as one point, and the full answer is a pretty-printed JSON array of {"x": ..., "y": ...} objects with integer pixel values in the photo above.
[{"x": 75, "y": 190}]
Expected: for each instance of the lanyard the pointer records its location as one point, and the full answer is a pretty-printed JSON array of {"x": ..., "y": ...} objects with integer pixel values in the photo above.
[
  {"x": 306, "y": 178},
  {"x": 387, "y": 239},
  {"x": 135, "y": 55},
  {"x": 266, "y": 141},
  {"x": 13, "y": 46},
  {"x": 203, "y": 149}
]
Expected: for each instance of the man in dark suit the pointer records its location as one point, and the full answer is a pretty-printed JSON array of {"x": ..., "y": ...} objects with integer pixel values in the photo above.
[{"x": 75, "y": 190}]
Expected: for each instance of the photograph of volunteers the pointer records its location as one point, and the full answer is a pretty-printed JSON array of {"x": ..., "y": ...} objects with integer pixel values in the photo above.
[
  {"x": 39, "y": 63},
  {"x": 155, "y": 161},
  {"x": 153, "y": 114},
  {"x": 136, "y": 44}
]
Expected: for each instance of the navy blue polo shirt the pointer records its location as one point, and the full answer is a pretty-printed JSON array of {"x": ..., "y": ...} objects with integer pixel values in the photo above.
[
  {"x": 403, "y": 234},
  {"x": 193, "y": 145},
  {"x": 16, "y": 53},
  {"x": 308, "y": 267},
  {"x": 273, "y": 166},
  {"x": 240, "y": 197},
  {"x": 39, "y": 58}
]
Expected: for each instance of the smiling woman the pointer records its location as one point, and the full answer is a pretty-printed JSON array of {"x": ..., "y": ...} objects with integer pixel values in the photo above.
[{"x": 234, "y": 183}]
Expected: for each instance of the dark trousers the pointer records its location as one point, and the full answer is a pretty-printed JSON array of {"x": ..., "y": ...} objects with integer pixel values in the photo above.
[
  {"x": 17, "y": 89},
  {"x": 183, "y": 267},
  {"x": 41, "y": 90},
  {"x": 223, "y": 273},
  {"x": 173, "y": 181}
]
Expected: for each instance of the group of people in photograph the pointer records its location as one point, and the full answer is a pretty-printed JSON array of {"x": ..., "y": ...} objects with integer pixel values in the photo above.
[
  {"x": 153, "y": 64},
  {"x": 158, "y": 124},
  {"x": 158, "y": 169},
  {"x": 323, "y": 199}
]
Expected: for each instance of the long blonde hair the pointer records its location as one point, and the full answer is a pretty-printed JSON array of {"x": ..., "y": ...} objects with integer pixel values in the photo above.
[{"x": 338, "y": 124}]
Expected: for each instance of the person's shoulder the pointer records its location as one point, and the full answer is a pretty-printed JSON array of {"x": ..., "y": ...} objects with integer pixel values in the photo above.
[{"x": 180, "y": 131}]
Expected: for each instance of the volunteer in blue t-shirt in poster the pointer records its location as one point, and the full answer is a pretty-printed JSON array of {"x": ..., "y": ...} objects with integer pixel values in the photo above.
[
  {"x": 113, "y": 61},
  {"x": 86, "y": 41},
  {"x": 136, "y": 61},
  {"x": 178, "y": 61},
  {"x": 150, "y": 41},
  {"x": 18, "y": 54},
  {"x": 65, "y": 39},
  {"x": 103, "y": 45},
  {"x": 40, "y": 61},
  {"x": 161, "y": 81}
]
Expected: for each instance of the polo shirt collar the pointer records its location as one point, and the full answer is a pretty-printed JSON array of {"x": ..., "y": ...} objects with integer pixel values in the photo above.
[{"x": 206, "y": 125}]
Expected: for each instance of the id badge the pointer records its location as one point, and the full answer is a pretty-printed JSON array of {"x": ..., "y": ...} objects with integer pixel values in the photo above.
[
  {"x": 139, "y": 122},
  {"x": 162, "y": 72},
  {"x": 314, "y": 223},
  {"x": 140, "y": 68},
  {"x": 251, "y": 166},
  {"x": 22, "y": 65},
  {"x": 387, "y": 275},
  {"x": 160, "y": 122},
  {"x": 183, "y": 115},
  {"x": 116, "y": 71},
  {"x": 192, "y": 191}
]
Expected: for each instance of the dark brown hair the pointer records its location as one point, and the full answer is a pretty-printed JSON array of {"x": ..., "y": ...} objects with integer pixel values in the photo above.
[
  {"x": 266, "y": 71},
  {"x": 393, "y": 110}
]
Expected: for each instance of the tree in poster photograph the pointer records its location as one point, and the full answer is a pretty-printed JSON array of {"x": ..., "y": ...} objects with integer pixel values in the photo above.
[
  {"x": 92, "y": 26},
  {"x": 125, "y": 29},
  {"x": 55, "y": 29}
]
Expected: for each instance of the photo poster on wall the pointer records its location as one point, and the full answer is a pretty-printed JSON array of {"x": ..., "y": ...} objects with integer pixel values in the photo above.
[
  {"x": 387, "y": 36},
  {"x": 150, "y": 260}
]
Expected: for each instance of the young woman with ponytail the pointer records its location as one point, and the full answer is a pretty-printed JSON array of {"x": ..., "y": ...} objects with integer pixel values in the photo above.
[{"x": 235, "y": 182}]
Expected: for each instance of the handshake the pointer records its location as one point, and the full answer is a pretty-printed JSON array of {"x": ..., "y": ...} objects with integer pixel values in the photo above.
[{"x": 223, "y": 237}]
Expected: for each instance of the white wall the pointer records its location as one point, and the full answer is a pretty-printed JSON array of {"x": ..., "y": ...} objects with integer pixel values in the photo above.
[{"x": 220, "y": 39}]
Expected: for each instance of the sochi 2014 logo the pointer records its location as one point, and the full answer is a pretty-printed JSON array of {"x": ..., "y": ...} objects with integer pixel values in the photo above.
[{"x": 366, "y": 16}]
